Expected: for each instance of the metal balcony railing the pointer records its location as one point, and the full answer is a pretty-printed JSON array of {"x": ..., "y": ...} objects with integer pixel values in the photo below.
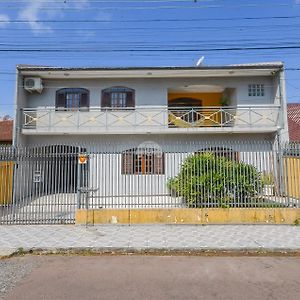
[{"x": 149, "y": 118}]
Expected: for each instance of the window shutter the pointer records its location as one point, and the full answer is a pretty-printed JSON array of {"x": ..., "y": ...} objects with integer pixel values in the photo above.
[
  {"x": 60, "y": 100},
  {"x": 159, "y": 163},
  {"x": 127, "y": 162},
  {"x": 84, "y": 101},
  {"x": 105, "y": 101},
  {"x": 130, "y": 99}
]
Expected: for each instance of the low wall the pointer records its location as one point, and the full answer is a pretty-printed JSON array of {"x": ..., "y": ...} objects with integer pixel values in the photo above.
[{"x": 189, "y": 216}]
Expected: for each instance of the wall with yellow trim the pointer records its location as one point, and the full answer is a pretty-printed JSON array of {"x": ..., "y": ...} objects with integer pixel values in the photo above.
[
  {"x": 6, "y": 182},
  {"x": 292, "y": 176},
  {"x": 208, "y": 99},
  {"x": 189, "y": 216}
]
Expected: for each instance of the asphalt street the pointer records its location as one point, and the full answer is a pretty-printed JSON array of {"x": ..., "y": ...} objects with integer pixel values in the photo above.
[{"x": 150, "y": 277}]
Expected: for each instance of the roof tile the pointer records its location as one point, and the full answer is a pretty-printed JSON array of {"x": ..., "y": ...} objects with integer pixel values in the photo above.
[
  {"x": 6, "y": 131},
  {"x": 293, "y": 110}
]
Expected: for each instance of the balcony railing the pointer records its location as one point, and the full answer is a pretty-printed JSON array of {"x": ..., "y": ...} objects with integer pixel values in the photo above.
[{"x": 150, "y": 119}]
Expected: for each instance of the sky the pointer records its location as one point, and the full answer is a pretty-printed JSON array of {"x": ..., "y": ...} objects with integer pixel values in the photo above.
[{"x": 120, "y": 33}]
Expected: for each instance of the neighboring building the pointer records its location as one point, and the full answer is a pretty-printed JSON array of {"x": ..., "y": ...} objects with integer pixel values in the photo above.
[
  {"x": 6, "y": 132},
  {"x": 293, "y": 110},
  {"x": 120, "y": 112}
]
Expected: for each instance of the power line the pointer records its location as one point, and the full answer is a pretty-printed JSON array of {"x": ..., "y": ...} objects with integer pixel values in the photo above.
[
  {"x": 273, "y": 27},
  {"x": 153, "y": 20},
  {"x": 150, "y": 50},
  {"x": 166, "y": 7}
]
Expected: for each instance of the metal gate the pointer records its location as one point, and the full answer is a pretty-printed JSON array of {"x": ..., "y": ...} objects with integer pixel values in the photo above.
[
  {"x": 42, "y": 182},
  {"x": 47, "y": 184}
]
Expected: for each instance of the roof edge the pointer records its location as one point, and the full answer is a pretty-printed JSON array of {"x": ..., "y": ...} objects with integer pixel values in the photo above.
[{"x": 270, "y": 65}]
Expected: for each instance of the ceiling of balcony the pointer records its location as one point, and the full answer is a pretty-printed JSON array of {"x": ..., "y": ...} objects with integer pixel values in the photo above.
[{"x": 197, "y": 89}]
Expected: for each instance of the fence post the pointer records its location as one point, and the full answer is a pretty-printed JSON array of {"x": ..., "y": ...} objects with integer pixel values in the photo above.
[{"x": 78, "y": 180}]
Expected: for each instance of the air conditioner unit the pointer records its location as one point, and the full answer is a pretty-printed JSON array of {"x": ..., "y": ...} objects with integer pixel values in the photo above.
[{"x": 33, "y": 84}]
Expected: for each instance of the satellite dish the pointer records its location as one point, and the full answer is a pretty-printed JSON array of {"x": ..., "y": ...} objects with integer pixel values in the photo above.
[{"x": 200, "y": 61}]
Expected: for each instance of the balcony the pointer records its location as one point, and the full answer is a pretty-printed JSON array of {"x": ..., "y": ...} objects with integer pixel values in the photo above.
[{"x": 150, "y": 119}]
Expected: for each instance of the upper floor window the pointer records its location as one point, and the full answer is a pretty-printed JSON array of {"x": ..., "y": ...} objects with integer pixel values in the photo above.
[
  {"x": 72, "y": 99},
  {"x": 256, "y": 90},
  {"x": 118, "y": 97}
]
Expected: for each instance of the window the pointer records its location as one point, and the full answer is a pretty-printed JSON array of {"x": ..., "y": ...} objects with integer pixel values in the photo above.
[
  {"x": 222, "y": 152},
  {"x": 72, "y": 99},
  {"x": 142, "y": 162},
  {"x": 256, "y": 90},
  {"x": 118, "y": 97}
]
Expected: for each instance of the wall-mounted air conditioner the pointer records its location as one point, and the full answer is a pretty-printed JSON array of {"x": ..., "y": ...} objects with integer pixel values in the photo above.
[{"x": 33, "y": 84}]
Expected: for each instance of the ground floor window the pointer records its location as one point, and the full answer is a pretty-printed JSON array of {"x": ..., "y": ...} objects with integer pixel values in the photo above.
[
  {"x": 222, "y": 152},
  {"x": 142, "y": 162}
]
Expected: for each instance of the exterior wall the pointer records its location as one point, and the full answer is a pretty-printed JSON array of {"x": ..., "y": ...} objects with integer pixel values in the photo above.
[
  {"x": 118, "y": 142},
  {"x": 152, "y": 92},
  {"x": 207, "y": 99},
  {"x": 283, "y": 135},
  {"x": 103, "y": 171},
  {"x": 21, "y": 101},
  {"x": 151, "y": 107}
]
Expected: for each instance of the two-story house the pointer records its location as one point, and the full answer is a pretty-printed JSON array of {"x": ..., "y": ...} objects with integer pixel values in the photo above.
[{"x": 122, "y": 111}]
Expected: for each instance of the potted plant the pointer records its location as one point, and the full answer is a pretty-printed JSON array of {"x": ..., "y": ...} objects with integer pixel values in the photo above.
[{"x": 225, "y": 101}]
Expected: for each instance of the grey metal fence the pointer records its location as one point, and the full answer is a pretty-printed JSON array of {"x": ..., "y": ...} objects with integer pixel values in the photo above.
[{"x": 46, "y": 184}]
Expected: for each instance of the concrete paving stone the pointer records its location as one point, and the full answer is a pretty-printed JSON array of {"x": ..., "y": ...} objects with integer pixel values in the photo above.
[{"x": 151, "y": 236}]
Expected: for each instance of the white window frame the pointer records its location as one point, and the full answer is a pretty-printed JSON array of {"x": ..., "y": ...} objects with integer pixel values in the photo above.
[{"x": 256, "y": 90}]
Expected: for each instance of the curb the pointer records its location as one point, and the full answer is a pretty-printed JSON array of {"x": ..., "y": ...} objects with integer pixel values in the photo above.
[
  {"x": 6, "y": 253},
  {"x": 150, "y": 251}
]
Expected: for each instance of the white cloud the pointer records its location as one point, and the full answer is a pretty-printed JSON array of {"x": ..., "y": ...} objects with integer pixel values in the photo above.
[
  {"x": 35, "y": 8},
  {"x": 4, "y": 20},
  {"x": 31, "y": 14}
]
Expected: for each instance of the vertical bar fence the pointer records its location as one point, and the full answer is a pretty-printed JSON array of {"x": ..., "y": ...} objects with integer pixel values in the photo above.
[{"x": 46, "y": 184}]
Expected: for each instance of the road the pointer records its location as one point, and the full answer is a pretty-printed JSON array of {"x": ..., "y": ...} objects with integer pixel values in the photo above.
[{"x": 152, "y": 277}]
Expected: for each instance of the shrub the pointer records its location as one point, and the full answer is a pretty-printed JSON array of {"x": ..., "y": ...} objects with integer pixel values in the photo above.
[
  {"x": 267, "y": 179},
  {"x": 206, "y": 179}
]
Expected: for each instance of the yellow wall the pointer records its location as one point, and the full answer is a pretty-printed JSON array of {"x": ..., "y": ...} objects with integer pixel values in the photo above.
[
  {"x": 208, "y": 99},
  {"x": 6, "y": 182},
  {"x": 190, "y": 216},
  {"x": 292, "y": 176}
]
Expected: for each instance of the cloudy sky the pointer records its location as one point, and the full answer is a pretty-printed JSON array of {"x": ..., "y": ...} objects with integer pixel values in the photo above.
[{"x": 146, "y": 33}]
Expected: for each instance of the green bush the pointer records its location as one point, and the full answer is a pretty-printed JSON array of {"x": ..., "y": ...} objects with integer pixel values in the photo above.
[{"x": 206, "y": 179}]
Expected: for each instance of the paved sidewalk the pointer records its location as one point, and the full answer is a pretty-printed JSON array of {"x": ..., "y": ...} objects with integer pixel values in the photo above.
[{"x": 150, "y": 237}]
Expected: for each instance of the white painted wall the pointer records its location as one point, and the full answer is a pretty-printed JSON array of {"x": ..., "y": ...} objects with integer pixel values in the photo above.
[{"x": 152, "y": 91}]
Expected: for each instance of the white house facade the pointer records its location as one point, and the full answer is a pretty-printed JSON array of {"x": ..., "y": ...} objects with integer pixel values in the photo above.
[{"x": 168, "y": 111}]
